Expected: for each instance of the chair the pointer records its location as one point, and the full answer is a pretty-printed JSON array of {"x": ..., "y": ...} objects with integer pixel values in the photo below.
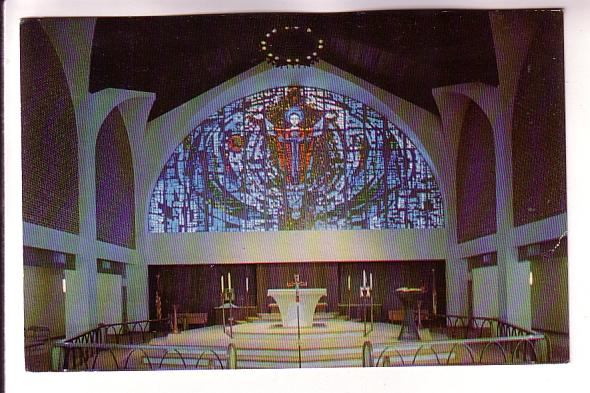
[
  {"x": 395, "y": 315},
  {"x": 35, "y": 334},
  {"x": 188, "y": 319}
]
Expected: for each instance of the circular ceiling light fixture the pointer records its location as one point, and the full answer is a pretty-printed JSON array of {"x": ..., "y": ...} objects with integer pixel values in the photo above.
[{"x": 291, "y": 46}]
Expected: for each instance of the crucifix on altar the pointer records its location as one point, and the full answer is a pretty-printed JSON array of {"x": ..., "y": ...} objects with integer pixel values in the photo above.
[{"x": 296, "y": 283}]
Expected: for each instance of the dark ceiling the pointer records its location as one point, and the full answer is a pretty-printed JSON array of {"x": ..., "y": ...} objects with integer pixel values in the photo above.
[{"x": 407, "y": 53}]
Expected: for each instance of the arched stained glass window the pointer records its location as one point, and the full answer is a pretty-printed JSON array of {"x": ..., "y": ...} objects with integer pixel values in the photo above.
[{"x": 295, "y": 158}]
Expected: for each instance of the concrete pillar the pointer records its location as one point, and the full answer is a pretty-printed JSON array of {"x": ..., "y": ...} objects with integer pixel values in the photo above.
[{"x": 512, "y": 32}]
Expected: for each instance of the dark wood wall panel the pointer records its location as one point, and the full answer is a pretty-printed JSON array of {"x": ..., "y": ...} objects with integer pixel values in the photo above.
[
  {"x": 197, "y": 288},
  {"x": 387, "y": 277}
]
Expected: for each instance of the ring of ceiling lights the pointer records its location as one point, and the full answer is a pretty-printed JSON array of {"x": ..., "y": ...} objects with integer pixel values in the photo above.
[{"x": 291, "y": 46}]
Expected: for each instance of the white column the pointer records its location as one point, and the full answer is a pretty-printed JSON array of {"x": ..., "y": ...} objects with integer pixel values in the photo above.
[{"x": 512, "y": 35}]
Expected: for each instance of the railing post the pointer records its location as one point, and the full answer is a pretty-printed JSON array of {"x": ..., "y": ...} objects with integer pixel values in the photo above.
[
  {"x": 232, "y": 357},
  {"x": 548, "y": 348},
  {"x": 368, "y": 354},
  {"x": 57, "y": 358},
  {"x": 102, "y": 335}
]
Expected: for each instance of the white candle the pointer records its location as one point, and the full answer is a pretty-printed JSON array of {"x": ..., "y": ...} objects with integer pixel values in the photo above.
[
  {"x": 229, "y": 280},
  {"x": 371, "y": 280},
  {"x": 364, "y": 278},
  {"x": 246, "y": 284},
  {"x": 222, "y": 286},
  {"x": 349, "y": 282}
]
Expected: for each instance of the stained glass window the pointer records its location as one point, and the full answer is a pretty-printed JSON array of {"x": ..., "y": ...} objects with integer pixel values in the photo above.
[{"x": 295, "y": 158}]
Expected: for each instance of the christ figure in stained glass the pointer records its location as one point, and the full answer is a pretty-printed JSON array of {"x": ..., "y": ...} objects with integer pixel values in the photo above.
[{"x": 292, "y": 144}]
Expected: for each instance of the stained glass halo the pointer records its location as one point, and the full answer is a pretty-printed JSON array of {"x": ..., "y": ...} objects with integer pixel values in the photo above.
[{"x": 291, "y": 46}]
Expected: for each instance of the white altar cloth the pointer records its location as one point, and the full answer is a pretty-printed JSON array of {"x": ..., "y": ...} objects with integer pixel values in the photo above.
[{"x": 308, "y": 300}]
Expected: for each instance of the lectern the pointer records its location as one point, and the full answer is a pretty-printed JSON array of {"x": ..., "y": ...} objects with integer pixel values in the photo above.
[{"x": 409, "y": 298}]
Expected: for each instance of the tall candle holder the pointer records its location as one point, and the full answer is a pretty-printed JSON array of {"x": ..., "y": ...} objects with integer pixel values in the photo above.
[
  {"x": 175, "y": 319},
  {"x": 247, "y": 298},
  {"x": 247, "y": 303},
  {"x": 366, "y": 297},
  {"x": 227, "y": 297},
  {"x": 349, "y": 298}
]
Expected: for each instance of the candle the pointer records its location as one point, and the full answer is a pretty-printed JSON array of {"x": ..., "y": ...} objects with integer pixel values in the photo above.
[
  {"x": 364, "y": 278},
  {"x": 246, "y": 284},
  {"x": 222, "y": 286},
  {"x": 228, "y": 280},
  {"x": 371, "y": 280},
  {"x": 349, "y": 282}
]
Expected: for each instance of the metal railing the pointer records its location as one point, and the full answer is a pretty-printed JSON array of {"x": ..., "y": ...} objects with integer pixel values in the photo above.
[
  {"x": 471, "y": 341},
  {"x": 80, "y": 348},
  {"x": 457, "y": 326},
  {"x": 122, "y": 357},
  {"x": 122, "y": 346}
]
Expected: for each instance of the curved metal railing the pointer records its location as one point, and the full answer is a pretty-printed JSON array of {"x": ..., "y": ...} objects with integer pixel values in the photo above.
[
  {"x": 475, "y": 340},
  {"x": 79, "y": 349},
  {"x": 124, "y": 357},
  {"x": 122, "y": 346}
]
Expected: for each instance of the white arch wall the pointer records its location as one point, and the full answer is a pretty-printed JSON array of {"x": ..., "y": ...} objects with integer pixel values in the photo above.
[
  {"x": 165, "y": 133},
  {"x": 512, "y": 37},
  {"x": 72, "y": 40}
]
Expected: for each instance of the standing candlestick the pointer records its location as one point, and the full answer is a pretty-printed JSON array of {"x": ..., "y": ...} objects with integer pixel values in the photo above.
[
  {"x": 349, "y": 293},
  {"x": 433, "y": 292},
  {"x": 158, "y": 299},
  {"x": 174, "y": 320}
]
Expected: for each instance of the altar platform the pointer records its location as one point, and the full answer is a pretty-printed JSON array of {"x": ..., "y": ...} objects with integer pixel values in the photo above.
[{"x": 267, "y": 344}]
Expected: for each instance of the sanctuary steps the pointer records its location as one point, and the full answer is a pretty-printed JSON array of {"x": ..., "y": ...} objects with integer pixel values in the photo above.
[
  {"x": 265, "y": 344},
  {"x": 275, "y": 316}
]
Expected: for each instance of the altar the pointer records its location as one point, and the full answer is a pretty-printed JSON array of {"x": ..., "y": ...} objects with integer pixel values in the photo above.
[{"x": 286, "y": 300}]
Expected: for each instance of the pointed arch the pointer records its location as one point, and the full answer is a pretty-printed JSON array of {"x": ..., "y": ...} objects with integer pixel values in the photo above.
[
  {"x": 115, "y": 201},
  {"x": 49, "y": 135},
  {"x": 476, "y": 176}
]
